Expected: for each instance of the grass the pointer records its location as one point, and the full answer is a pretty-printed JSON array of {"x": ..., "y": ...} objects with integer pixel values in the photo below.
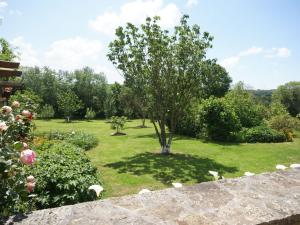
[{"x": 132, "y": 162}]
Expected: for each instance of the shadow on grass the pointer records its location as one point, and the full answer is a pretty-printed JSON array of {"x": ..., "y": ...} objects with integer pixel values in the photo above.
[
  {"x": 181, "y": 137},
  {"x": 174, "y": 167}
]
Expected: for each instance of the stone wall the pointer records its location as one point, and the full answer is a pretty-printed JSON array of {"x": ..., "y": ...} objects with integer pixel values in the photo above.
[{"x": 269, "y": 198}]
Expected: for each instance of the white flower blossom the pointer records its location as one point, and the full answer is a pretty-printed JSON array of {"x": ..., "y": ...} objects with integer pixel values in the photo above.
[
  {"x": 177, "y": 185},
  {"x": 281, "y": 167},
  {"x": 215, "y": 174},
  {"x": 143, "y": 191},
  {"x": 97, "y": 188},
  {"x": 249, "y": 174}
]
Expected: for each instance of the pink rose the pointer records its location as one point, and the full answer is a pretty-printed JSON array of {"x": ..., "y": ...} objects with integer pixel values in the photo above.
[
  {"x": 30, "y": 186},
  {"x": 6, "y": 109},
  {"x": 3, "y": 126},
  {"x": 30, "y": 179},
  {"x": 15, "y": 104},
  {"x": 27, "y": 114},
  {"x": 28, "y": 157}
]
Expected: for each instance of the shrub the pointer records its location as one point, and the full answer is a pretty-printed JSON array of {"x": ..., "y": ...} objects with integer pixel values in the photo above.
[
  {"x": 28, "y": 99},
  {"x": 117, "y": 123},
  {"x": 46, "y": 112},
  {"x": 262, "y": 134},
  {"x": 79, "y": 138},
  {"x": 64, "y": 174},
  {"x": 243, "y": 103},
  {"x": 284, "y": 123},
  {"x": 90, "y": 114},
  {"x": 188, "y": 124},
  {"x": 218, "y": 119},
  {"x": 15, "y": 129}
]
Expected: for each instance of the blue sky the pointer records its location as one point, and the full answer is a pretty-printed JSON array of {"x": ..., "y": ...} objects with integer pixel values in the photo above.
[{"x": 257, "y": 41}]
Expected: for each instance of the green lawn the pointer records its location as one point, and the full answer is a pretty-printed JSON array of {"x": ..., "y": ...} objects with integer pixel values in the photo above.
[{"x": 132, "y": 162}]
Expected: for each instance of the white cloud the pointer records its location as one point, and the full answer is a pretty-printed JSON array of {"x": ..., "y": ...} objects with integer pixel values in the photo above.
[
  {"x": 191, "y": 3},
  {"x": 28, "y": 56},
  {"x": 278, "y": 52},
  {"x": 230, "y": 62},
  {"x": 136, "y": 12},
  {"x": 268, "y": 53},
  {"x": 251, "y": 51},
  {"x": 73, "y": 53},
  {"x": 3, "y": 4},
  {"x": 68, "y": 54}
]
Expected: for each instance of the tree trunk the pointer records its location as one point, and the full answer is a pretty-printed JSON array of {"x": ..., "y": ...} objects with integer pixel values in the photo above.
[
  {"x": 68, "y": 119},
  {"x": 165, "y": 150},
  {"x": 143, "y": 122}
]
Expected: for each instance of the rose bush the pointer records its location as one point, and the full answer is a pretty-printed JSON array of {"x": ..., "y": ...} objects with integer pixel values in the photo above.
[{"x": 15, "y": 155}]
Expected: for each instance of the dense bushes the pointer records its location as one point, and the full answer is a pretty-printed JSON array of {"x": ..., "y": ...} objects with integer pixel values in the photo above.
[
  {"x": 79, "y": 138},
  {"x": 218, "y": 120},
  {"x": 64, "y": 174},
  {"x": 261, "y": 134},
  {"x": 243, "y": 103}
]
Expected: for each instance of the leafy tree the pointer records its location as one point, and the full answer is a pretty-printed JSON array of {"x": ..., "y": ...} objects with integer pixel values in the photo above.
[
  {"x": 68, "y": 103},
  {"x": 167, "y": 67},
  {"x": 109, "y": 105},
  {"x": 90, "y": 87},
  {"x": 6, "y": 51},
  {"x": 135, "y": 104},
  {"x": 46, "y": 112},
  {"x": 116, "y": 90},
  {"x": 289, "y": 95},
  {"x": 117, "y": 123},
  {"x": 45, "y": 83},
  {"x": 90, "y": 114},
  {"x": 215, "y": 80},
  {"x": 219, "y": 121},
  {"x": 277, "y": 109},
  {"x": 242, "y": 101}
]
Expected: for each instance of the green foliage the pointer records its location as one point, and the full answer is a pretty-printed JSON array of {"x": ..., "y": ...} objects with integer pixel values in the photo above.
[
  {"x": 247, "y": 110},
  {"x": 6, "y": 51},
  {"x": 277, "y": 109},
  {"x": 117, "y": 123},
  {"x": 64, "y": 174},
  {"x": 289, "y": 95},
  {"x": 90, "y": 87},
  {"x": 168, "y": 67},
  {"x": 262, "y": 134},
  {"x": 68, "y": 103},
  {"x": 215, "y": 80},
  {"x": 189, "y": 124},
  {"x": 46, "y": 112},
  {"x": 262, "y": 96},
  {"x": 286, "y": 124},
  {"x": 28, "y": 99},
  {"x": 13, "y": 132},
  {"x": 218, "y": 119},
  {"x": 90, "y": 114},
  {"x": 79, "y": 138}
]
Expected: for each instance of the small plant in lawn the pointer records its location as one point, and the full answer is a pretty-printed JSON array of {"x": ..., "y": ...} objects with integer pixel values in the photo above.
[
  {"x": 90, "y": 114},
  {"x": 117, "y": 123}
]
